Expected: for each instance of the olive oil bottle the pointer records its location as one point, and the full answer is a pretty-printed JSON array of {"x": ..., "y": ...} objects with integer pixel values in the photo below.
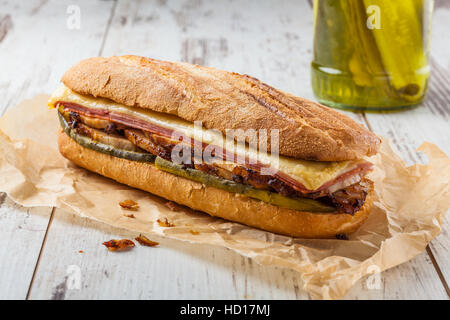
[{"x": 371, "y": 55}]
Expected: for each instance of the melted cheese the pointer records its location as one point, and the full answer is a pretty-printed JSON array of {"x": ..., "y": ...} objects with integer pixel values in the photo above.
[{"x": 311, "y": 174}]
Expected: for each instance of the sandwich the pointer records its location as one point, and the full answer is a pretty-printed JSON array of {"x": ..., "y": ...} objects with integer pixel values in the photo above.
[{"x": 218, "y": 142}]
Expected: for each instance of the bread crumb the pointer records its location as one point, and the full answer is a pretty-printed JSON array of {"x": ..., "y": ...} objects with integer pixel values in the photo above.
[
  {"x": 129, "y": 205},
  {"x": 144, "y": 241},
  {"x": 119, "y": 245},
  {"x": 194, "y": 232},
  {"x": 165, "y": 223}
]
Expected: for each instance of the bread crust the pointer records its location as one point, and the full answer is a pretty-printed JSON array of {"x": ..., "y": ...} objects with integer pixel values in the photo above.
[
  {"x": 223, "y": 100},
  {"x": 216, "y": 202}
]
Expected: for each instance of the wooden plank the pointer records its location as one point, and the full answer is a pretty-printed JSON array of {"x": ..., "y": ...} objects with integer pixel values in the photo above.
[
  {"x": 22, "y": 231},
  {"x": 416, "y": 279},
  {"x": 441, "y": 75},
  {"x": 429, "y": 122},
  {"x": 267, "y": 39},
  {"x": 176, "y": 269},
  {"x": 36, "y": 47},
  {"x": 173, "y": 270},
  {"x": 407, "y": 131},
  {"x": 425, "y": 284},
  {"x": 264, "y": 39},
  {"x": 180, "y": 270}
]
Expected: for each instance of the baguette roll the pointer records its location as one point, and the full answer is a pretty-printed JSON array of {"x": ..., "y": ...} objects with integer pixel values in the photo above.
[
  {"x": 123, "y": 118},
  {"x": 216, "y": 202}
]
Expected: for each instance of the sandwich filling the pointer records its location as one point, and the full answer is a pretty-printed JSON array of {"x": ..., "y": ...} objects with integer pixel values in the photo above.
[{"x": 144, "y": 135}]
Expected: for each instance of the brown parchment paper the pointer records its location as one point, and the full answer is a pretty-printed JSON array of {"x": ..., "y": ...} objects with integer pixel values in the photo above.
[{"x": 409, "y": 208}]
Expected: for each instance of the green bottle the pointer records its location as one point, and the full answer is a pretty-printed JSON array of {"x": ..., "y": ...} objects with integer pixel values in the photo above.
[{"x": 371, "y": 55}]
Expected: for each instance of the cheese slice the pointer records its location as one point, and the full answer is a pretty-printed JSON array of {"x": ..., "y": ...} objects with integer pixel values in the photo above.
[{"x": 311, "y": 174}]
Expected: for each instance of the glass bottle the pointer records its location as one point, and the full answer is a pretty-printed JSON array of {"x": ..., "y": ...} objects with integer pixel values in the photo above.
[{"x": 371, "y": 55}]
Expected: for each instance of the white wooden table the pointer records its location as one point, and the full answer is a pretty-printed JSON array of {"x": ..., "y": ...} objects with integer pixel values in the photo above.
[{"x": 271, "y": 40}]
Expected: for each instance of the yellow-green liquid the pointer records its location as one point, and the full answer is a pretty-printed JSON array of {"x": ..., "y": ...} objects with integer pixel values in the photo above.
[{"x": 371, "y": 55}]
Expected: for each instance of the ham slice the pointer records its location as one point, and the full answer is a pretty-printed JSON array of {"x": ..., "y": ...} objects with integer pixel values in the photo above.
[{"x": 349, "y": 177}]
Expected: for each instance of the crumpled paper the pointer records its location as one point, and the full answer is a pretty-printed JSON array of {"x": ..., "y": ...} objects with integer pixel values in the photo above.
[{"x": 409, "y": 208}]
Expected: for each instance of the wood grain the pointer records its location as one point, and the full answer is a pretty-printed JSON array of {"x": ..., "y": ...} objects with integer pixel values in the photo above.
[
  {"x": 270, "y": 40},
  {"x": 441, "y": 73},
  {"x": 172, "y": 270},
  {"x": 429, "y": 122},
  {"x": 36, "y": 27},
  {"x": 39, "y": 46},
  {"x": 22, "y": 231}
]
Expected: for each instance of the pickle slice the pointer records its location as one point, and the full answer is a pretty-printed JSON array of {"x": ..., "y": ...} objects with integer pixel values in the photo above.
[
  {"x": 103, "y": 148},
  {"x": 300, "y": 204},
  {"x": 393, "y": 52},
  {"x": 401, "y": 46}
]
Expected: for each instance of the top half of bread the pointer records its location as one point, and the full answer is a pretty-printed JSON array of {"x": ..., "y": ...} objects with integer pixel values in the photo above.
[{"x": 223, "y": 100}]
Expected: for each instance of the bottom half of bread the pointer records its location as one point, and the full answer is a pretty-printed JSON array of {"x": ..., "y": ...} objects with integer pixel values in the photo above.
[{"x": 216, "y": 202}]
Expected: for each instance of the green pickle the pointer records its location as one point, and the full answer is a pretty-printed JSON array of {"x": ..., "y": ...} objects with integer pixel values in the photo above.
[
  {"x": 301, "y": 204},
  {"x": 384, "y": 67},
  {"x": 101, "y": 147}
]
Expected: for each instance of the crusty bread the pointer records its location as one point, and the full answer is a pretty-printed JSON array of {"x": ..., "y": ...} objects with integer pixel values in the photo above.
[
  {"x": 224, "y": 100},
  {"x": 216, "y": 202}
]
